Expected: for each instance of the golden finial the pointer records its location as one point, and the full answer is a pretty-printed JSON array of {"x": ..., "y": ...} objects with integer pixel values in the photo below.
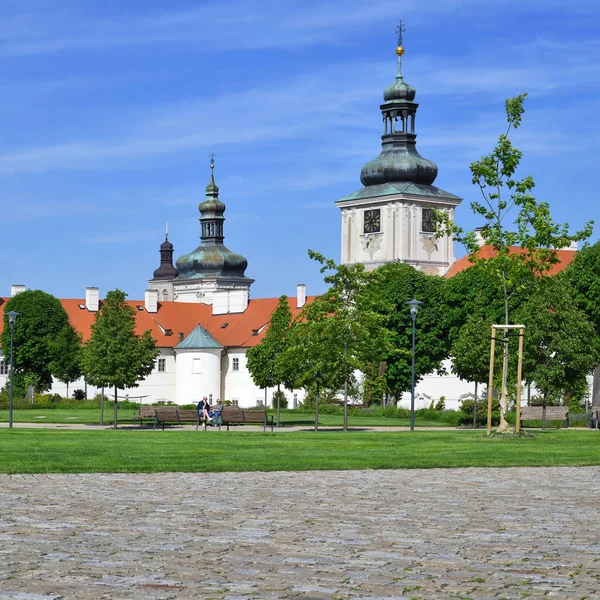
[
  {"x": 212, "y": 160},
  {"x": 400, "y": 31}
]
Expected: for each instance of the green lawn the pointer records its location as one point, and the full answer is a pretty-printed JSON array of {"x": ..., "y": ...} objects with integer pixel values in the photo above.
[
  {"x": 92, "y": 417},
  {"x": 77, "y": 451}
]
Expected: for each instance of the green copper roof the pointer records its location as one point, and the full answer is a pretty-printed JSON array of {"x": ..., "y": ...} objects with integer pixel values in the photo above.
[
  {"x": 399, "y": 187},
  {"x": 198, "y": 339}
]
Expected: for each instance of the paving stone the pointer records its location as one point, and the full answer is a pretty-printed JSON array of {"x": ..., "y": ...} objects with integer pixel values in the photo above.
[{"x": 347, "y": 535}]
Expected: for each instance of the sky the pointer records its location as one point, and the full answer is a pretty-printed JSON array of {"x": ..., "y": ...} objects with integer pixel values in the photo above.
[{"x": 109, "y": 111}]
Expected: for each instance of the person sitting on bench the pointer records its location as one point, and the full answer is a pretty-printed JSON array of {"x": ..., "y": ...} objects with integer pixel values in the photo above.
[
  {"x": 203, "y": 408},
  {"x": 215, "y": 412}
]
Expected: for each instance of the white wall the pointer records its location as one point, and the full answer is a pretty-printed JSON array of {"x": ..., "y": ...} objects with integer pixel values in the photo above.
[
  {"x": 238, "y": 385},
  {"x": 198, "y": 374},
  {"x": 400, "y": 238}
]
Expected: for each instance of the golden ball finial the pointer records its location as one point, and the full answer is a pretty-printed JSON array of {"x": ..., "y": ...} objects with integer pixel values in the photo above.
[{"x": 400, "y": 50}]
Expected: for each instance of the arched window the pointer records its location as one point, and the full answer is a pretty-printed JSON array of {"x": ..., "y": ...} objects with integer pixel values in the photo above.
[{"x": 165, "y": 295}]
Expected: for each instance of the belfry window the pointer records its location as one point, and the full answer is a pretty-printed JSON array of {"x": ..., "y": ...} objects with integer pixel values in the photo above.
[{"x": 428, "y": 220}]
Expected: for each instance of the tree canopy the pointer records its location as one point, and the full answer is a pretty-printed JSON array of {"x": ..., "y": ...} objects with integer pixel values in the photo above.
[
  {"x": 40, "y": 341},
  {"x": 393, "y": 285}
]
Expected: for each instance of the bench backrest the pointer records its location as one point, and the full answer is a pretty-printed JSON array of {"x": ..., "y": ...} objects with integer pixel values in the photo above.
[
  {"x": 147, "y": 411},
  {"x": 232, "y": 414},
  {"x": 188, "y": 414},
  {"x": 553, "y": 413},
  {"x": 255, "y": 416},
  {"x": 166, "y": 413}
]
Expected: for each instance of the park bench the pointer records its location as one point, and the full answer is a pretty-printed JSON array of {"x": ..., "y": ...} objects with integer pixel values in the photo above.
[
  {"x": 145, "y": 412},
  {"x": 545, "y": 414},
  {"x": 237, "y": 416},
  {"x": 595, "y": 417},
  {"x": 189, "y": 416},
  {"x": 166, "y": 414}
]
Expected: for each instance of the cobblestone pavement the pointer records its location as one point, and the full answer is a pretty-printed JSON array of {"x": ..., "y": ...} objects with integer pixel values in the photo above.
[{"x": 455, "y": 533}]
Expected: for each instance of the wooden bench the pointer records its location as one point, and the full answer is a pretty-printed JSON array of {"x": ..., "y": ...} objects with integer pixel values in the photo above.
[
  {"x": 545, "y": 414},
  {"x": 166, "y": 414},
  {"x": 237, "y": 416},
  {"x": 145, "y": 412},
  {"x": 189, "y": 416}
]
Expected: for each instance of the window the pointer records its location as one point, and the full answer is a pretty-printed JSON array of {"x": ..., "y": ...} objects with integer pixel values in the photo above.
[
  {"x": 234, "y": 403},
  {"x": 197, "y": 365},
  {"x": 428, "y": 220},
  {"x": 236, "y": 364},
  {"x": 162, "y": 365},
  {"x": 165, "y": 295},
  {"x": 3, "y": 368}
]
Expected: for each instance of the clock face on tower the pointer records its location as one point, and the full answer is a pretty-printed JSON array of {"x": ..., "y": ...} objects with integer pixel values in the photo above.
[{"x": 372, "y": 221}]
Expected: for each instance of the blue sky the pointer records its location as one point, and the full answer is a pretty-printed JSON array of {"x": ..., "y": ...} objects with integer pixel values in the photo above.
[{"x": 109, "y": 111}]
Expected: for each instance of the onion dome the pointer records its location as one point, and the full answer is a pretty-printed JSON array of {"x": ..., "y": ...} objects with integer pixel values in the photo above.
[
  {"x": 166, "y": 271},
  {"x": 211, "y": 259},
  {"x": 399, "y": 160}
]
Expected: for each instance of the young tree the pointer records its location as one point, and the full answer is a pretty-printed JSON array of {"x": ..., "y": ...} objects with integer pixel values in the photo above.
[
  {"x": 41, "y": 321},
  {"x": 338, "y": 333},
  {"x": 582, "y": 277},
  {"x": 265, "y": 361},
  {"x": 534, "y": 231},
  {"x": 67, "y": 348},
  {"x": 393, "y": 285},
  {"x": 114, "y": 355},
  {"x": 560, "y": 345}
]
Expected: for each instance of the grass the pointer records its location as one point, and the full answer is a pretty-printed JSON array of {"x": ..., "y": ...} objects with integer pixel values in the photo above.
[{"x": 80, "y": 451}]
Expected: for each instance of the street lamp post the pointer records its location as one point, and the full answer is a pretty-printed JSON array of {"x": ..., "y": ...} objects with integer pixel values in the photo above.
[
  {"x": 12, "y": 317},
  {"x": 414, "y": 309}
]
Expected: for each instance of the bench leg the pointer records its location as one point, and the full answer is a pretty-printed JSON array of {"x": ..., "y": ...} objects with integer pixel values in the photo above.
[{"x": 154, "y": 427}]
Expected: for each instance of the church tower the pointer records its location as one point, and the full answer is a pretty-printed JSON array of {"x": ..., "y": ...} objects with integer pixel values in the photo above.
[
  {"x": 391, "y": 218},
  {"x": 166, "y": 272},
  {"x": 212, "y": 273}
]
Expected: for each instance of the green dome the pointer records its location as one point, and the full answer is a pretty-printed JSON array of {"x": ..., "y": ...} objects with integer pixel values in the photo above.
[{"x": 211, "y": 259}]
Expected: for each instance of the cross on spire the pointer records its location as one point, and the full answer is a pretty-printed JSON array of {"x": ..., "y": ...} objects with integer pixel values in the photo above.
[
  {"x": 212, "y": 160},
  {"x": 400, "y": 29}
]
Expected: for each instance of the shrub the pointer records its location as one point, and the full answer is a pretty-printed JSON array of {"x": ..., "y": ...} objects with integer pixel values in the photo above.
[
  {"x": 283, "y": 401},
  {"x": 79, "y": 394},
  {"x": 441, "y": 403}
]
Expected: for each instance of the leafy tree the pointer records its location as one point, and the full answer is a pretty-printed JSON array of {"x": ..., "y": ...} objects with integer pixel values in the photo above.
[
  {"x": 560, "y": 345},
  {"x": 41, "y": 322},
  {"x": 582, "y": 277},
  {"x": 393, "y": 285},
  {"x": 265, "y": 361},
  {"x": 338, "y": 333},
  {"x": 67, "y": 348},
  {"x": 534, "y": 231},
  {"x": 114, "y": 355}
]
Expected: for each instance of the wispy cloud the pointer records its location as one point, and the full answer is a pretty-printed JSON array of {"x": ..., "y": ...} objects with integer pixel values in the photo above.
[{"x": 233, "y": 25}]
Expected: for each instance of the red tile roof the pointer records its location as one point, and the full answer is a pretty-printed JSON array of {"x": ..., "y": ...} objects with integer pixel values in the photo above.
[
  {"x": 565, "y": 257},
  {"x": 182, "y": 317}
]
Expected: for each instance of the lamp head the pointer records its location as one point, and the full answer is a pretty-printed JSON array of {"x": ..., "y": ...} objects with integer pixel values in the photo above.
[
  {"x": 12, "y": 317},
  {"x": 414, "y": 306}
]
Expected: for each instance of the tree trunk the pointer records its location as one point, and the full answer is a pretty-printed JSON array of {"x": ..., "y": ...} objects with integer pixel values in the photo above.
[
  {"x": 102, "y": 407},
  {"x": 504, "y": 425},
  {"x": 475, "y": 408},
  {"x": 116, "y": 408},
  {"x": 278, "y": 392},
  {"x": 67, "y": 389}
]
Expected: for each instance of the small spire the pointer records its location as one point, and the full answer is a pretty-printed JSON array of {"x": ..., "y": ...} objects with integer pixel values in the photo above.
[
  {"x": 166, "y": 231},
  {"x": 400, "y": 29},
  {"x": 212, "y": 160}
]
